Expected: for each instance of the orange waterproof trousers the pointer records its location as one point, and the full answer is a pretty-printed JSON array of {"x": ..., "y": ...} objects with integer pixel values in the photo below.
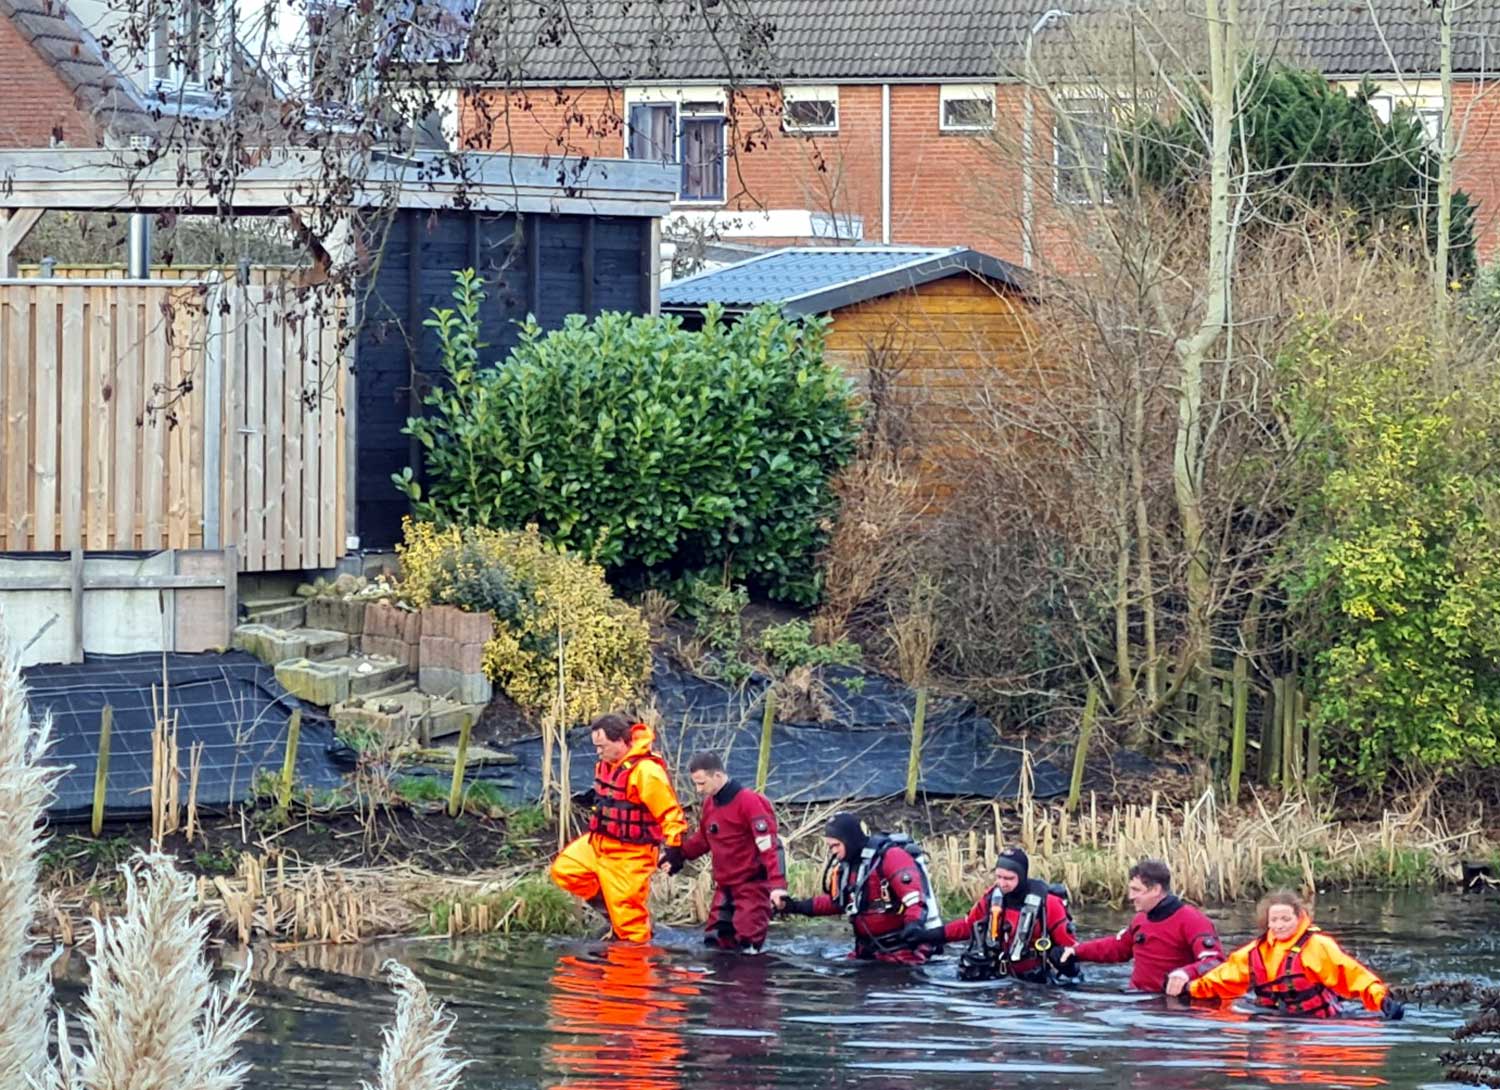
[{"x": 593, "y": 865}]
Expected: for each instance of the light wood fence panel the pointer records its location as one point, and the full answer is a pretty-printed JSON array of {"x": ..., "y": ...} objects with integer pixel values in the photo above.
[{"x": 105, "y": 432}]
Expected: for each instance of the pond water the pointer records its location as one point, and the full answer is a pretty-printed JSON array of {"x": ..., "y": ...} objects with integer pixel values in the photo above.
[{"x": 596, "y": 1016}]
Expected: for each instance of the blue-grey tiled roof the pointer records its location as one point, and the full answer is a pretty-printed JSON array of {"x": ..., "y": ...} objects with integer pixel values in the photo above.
[{"x": 816, "y": 279}]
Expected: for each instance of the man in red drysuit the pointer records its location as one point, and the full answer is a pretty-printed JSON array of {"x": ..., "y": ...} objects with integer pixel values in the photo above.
[
  {"x": 738, "y": 830},
  {"x": 878, "y": 885},
  {"x": 1167, "y": 933},
  {"x": 1016, "y": 905}
]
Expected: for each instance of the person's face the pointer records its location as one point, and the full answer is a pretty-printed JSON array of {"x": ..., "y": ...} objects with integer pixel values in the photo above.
[
  {"x": 1282, "y": 921},
  {"x": 835, "y": 847},
  {"x": 1144, "y": 896},
  {"x": 609, "y": 751},
  {"x": 709, "y": 783},
  {"x": 1007, "y": 880}
]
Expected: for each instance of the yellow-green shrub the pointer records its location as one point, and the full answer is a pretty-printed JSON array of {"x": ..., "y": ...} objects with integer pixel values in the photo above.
[{"x": 558, "y": 595}]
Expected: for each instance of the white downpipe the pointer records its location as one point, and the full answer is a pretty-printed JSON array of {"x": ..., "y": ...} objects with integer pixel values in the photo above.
[{"x": 885, "y": 164}]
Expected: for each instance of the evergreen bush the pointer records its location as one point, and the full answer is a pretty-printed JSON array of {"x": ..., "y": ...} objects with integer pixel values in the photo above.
[{"x": 657, "y": 450}]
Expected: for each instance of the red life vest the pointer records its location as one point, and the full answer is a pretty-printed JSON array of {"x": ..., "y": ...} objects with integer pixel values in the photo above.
[
  {"x": 1293, "y": 991},
  {"x": 615, "y": 815}
]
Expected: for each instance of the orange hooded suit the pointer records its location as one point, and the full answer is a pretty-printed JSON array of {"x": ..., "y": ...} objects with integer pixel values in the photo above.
[
  {"x": 636, "y": 812},
  {"x": 1307, "y": 960}
]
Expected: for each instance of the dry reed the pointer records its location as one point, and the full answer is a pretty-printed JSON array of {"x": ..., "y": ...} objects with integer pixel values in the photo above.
[
  {"x": 25, "y": 789},
  {"x": 416, "y": 1055},
  {"x": 153, "y": 1018}
]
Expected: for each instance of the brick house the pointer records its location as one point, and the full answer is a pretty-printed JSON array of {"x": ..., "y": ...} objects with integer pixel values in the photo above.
[
  {"x": 57, "y": 85},
  {"x": 868, "y": 121}
]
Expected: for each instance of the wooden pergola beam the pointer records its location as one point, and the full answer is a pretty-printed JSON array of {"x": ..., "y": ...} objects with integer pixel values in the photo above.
[{"x": 15, "y": 225}]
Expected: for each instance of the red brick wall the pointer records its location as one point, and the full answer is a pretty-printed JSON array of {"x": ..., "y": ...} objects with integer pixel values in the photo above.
[
  {"x": 1476, "y": 112},
  {"x": 946, "y": 188},
  {"x": 34, "y": 102}
]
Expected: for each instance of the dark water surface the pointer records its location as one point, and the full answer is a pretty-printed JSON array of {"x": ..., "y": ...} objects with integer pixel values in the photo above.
[{"x": 535, "y": 1013}]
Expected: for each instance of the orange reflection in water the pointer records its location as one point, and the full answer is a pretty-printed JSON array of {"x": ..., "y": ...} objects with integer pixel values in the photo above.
[
  {"x": 1293, "y": 1053},
  {"x": 617, "y": 1017}
]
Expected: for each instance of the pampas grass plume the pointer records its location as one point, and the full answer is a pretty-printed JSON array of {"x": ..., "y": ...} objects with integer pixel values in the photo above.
[
  {"x": 153, "y": 1018},
  {"x": 416, "y": 1055},
  {"x": 25, "y": 790}
]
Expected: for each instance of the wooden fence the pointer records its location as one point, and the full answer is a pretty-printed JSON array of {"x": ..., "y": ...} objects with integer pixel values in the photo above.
[
  {"x": 259, "y": 274},
  {"x": 144, "y": 415}
]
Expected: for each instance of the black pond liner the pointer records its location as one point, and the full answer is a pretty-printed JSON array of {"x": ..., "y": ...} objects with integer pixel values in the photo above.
[
  {"x": 230, "y": 702},
  {"x": 861, "y": 754}
]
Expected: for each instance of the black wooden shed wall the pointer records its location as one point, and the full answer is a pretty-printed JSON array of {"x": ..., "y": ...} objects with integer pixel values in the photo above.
[{"x": 550, "y": 266}]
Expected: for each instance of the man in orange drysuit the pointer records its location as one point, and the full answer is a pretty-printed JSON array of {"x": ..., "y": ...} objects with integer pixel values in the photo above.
[{"x": 635, "y": 813}]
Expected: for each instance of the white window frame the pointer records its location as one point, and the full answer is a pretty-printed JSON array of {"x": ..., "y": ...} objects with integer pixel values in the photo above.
[
  {"x": 965, "y": 92},
  {"x": 789, "y": 95},
  {"x": 1384, "y": 106},
  {"x": 707, "y": 104},
  {"x": 1071, "y": 104},
  {"x": 1431, "y": 118}
]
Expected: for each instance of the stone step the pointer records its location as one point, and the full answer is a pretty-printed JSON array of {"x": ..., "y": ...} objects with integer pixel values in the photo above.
[
  {"x": 445, "y": 718},
  {"x": 275, "y": 645},
  {"x": 444, "y": 756},
  {"x": 277, "y": 612},
  {"x": 371, "y": 673}
]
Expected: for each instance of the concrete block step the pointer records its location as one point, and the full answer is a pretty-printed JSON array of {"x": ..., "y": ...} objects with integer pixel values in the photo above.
[
  {"x": 445, "y": 718},
  {"x": 276, "y": 612},
  {"x": 274, "y": 645},
  {"x": 371, "y": 673}
]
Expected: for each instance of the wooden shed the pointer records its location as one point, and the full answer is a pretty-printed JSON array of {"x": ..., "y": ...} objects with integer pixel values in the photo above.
[
  {"x": 919, "y": 323},
  {"x": 252, "y": 424}
]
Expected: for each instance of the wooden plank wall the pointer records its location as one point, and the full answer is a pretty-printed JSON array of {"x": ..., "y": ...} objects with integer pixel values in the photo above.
[
  {"x": 102, "y": 419},
  {"x": 259, "y": 274},
  {"x": 286, "y": 381},
  {"x": 103, "y": 397}
]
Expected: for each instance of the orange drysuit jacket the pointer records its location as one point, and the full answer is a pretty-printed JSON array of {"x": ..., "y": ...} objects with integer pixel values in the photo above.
[
  {"x": 595, "y": 864},
  {"x": 1322, "y": 960}
]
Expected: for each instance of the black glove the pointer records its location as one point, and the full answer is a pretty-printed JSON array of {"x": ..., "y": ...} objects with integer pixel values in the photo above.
[
  {"x": 674, "y": 859},
  {"x": 914, "y": 934},
  {"x": 585, "y": 799},
  {"x": 1065, "y": 966},
  {"x": 798, "y": 906},
  {"x": 1392, "y": 1009}
]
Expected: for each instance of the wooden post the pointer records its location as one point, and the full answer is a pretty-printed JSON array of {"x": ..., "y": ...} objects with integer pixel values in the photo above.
[
  {"x": 75, "y": 571},
  {"x": 1314, "y": 753},
  {"x": 1240, "y": 708},
  {"x": 1208, "y": 714},
  {"x": 456, "y": 790},
  {"x": 1270, "y": 741},
  {"x": 1289, "y": 771},
  {"x": 767, "y": 722},
  {"x": 101, "y": 771},
  {"x": 1080, "y": 751},
  {"x": 289, "y": 763},
  {"x": 914, "y": 759}
]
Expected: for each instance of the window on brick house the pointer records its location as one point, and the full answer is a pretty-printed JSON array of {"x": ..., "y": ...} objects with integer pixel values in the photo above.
[
  {"x": 1383, "y": 106},
  {"x": 1080, "y": 142},
  {"x": 810, "y": 109},
  {"x": 966, "y": 108},
  {"x": 702, "y": 159},
  {"x": 653, "y": 132},
  {"x": 1432, "y": 122}
]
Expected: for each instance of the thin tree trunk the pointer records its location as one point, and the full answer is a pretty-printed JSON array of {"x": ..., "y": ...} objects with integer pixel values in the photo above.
[
  {"x": 1192, "y": 352},
  {"x": 1124, "y": 670},
  {"x": 1144, "y": 577},
  {"x": 1440, "y": 271}
]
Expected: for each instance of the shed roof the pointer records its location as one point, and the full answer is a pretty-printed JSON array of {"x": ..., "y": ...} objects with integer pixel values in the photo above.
[
  {"x": 818, "y": 279},
  {"x": 99, "y": 88},
  {"x": 104, "y": 180},
  {"x": 614, "y": 41}
]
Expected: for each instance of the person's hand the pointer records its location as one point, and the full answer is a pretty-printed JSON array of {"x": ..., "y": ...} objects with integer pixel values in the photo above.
[
  {"x": 585, "y": 799},
  {"x": 1065, "y": 954},
  {"x": 672, "y": 859},
  {"x": 913, "y": 934},
  {"x": 1177, "y": 982},
  {"x": 779, "y": 898},
  {"x": 1392, "y": 1009}
]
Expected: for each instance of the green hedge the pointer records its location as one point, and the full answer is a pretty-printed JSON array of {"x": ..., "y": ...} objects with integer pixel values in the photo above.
[{"x": 658, "y": 449}]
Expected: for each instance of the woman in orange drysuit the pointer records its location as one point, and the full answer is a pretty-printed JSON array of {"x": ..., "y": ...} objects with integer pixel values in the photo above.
[
  {"x": 1294, "y": 967},
  {"x": 635, "y": 814}
]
